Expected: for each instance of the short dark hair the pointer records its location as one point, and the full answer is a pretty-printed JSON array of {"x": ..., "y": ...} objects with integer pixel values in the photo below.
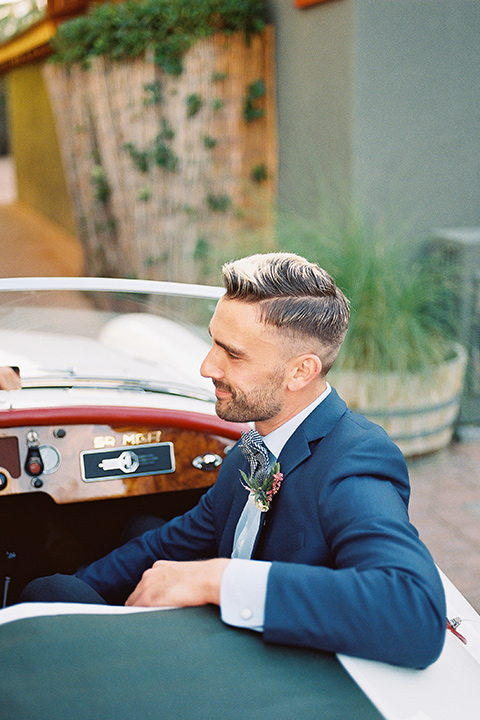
[{"x": 293, "y": 295}]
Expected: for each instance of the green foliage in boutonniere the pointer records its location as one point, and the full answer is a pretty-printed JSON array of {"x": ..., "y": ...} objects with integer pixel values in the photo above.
[{"x": 263, "y": 488}]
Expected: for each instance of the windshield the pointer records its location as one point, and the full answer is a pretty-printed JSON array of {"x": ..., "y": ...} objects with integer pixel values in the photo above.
[{"x": 84, "y": 331}]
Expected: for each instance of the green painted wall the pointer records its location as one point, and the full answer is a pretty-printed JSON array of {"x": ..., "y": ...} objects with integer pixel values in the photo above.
[
  {"x": 380, "y": 100},
  {"x": 33, "y": 143},
  {"x": 315, "y": 75},
  {"x": 416, "y": 148}
]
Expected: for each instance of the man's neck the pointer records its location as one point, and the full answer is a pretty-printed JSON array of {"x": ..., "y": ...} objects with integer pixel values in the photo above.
[
  {"x": 266, "y": 427},
  {"x": 276, "y": 439}
]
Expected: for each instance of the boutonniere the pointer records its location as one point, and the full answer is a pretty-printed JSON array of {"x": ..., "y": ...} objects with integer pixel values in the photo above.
[{"x": 263, "y": 488}]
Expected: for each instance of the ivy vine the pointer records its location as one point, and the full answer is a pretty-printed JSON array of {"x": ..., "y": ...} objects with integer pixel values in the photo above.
[
  {"x": 124, "y": 30},
  {"x": 194, "y": 103},
  {"x": 160, "y": 154},
  {"x": 259, "y": 173},
  {"x": 218, "y": 203},
  {"x": 100, "y": 184},
  {"x": 153, "y": 94},
  {"x": 255, "y": 92},
  {"x": 140, "y": 158},
  {"x": 209, "y": 142}
]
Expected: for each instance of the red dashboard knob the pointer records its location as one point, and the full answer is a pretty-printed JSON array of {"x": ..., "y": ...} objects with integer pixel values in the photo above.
[{"x": 34, "y": 467}]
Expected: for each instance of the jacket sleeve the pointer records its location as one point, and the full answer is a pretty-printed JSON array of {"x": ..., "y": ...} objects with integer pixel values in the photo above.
[
  {"x": 195, "y": 535},
  {"x": 188, "y": 537},
  {"x": 383, "y": 598}
]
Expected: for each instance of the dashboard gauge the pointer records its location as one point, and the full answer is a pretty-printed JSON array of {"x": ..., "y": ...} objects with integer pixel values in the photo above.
[{"x": 50, "y": 458}]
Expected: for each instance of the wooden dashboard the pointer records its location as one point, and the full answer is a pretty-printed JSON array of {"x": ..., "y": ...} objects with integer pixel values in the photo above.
[{"x": 134, "y": 451}]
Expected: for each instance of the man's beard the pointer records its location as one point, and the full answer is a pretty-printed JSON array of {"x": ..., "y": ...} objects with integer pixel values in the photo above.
[{"x": 262, "y": 403}]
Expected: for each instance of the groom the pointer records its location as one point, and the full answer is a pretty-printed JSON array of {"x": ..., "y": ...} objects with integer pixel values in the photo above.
[{"x": 305, "y": 536}]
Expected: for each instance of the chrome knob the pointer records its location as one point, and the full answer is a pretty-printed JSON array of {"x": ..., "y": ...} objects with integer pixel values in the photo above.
[{"x": 208, "y": 461}]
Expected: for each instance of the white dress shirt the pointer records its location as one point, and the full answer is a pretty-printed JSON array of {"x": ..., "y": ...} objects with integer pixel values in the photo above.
[{"x": 244, "y": 583}]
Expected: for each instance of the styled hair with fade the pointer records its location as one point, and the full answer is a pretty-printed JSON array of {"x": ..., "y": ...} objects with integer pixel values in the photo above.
[{"x": 294, "y": 295}]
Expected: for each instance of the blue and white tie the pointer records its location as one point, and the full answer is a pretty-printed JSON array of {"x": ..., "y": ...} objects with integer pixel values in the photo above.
[{"x": 255, "y": 451}]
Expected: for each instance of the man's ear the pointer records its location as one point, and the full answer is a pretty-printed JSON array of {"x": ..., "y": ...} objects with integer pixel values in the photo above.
[{"x": 305, "y": 369}]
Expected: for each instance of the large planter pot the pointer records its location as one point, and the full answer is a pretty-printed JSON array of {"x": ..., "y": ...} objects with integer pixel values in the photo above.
[
  {"x": 417, "y": 410},
  {"x": 169, "y": 174}
]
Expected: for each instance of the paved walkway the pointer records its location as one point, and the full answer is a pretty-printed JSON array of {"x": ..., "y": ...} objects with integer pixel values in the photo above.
[
  {"x": 445, "y": 503},
  {"x": 445, "y": 507}
]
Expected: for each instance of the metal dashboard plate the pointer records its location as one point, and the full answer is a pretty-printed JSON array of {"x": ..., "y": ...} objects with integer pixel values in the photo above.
[{"x": 121, "y": 462}]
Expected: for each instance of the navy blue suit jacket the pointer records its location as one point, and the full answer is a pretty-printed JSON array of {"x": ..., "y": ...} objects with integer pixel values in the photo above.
[{"x": 349, "y": 572}]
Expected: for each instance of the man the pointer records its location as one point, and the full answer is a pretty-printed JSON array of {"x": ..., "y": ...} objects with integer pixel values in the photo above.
[
  {"x": 9, "y": 378},
  {"x": 330, "y": 560}
]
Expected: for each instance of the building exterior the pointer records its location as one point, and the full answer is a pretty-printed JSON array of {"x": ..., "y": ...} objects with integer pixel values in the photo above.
[
  {"x": 378, "y": 100},
  {"x": 32, "y": 136}
]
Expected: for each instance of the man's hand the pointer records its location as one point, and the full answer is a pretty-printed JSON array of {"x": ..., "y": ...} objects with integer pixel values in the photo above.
[
  {"x": 180, "y": 584},
  {"x": 9, "y": 379}
]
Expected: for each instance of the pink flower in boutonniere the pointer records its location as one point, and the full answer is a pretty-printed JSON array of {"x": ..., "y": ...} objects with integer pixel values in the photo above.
[{"x": 263, "y": 488}]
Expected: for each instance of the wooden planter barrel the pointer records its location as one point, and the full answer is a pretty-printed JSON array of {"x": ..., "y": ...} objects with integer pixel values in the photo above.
[
  {"x": 171, "y": 175},
  {"x": 417, "y": 410}
]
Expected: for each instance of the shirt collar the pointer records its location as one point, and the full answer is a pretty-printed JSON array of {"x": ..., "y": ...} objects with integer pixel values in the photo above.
[{"x": 278, "y": 437}]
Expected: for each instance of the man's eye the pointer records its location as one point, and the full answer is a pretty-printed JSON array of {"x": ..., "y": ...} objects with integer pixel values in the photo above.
[{"x": 233, "y": 356}]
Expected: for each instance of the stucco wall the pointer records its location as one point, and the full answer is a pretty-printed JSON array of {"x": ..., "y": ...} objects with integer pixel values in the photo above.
[
  {"x": 382, "y": 99},
  {"x": 416, "y": 146},
  {"x": 314, "y": 57},
  {"x": 33, "y": 142}
]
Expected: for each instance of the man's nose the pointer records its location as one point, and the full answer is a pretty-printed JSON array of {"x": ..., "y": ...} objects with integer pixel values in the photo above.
[{"x": 209, "y": 368}]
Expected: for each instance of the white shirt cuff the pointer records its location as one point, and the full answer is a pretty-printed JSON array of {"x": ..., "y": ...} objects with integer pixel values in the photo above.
[{"x": 243, "y": 592}]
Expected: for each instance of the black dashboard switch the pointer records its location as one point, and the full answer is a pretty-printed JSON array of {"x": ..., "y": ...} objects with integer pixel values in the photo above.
[{"x": 34, "y": 462}]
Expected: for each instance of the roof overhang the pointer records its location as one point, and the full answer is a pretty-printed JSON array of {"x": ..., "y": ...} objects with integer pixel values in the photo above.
[{"x": 32, "y": 43}]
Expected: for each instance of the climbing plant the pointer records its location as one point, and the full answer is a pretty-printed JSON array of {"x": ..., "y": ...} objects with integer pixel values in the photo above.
[{"x": 120, "y": 31}]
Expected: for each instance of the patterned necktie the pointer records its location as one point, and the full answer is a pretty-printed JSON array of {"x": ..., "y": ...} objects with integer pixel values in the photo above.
[{"x": 255, "y": 451}]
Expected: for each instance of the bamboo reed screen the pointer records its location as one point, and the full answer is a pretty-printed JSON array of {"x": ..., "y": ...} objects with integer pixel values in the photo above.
[{"x": 171, "y": 175}]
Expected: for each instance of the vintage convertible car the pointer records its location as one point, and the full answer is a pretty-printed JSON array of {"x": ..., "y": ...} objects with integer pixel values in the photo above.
[{"x": 114, "y": 423}]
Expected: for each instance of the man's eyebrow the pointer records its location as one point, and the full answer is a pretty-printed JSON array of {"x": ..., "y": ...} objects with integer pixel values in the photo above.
[{"x": 228, "y": 348}]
